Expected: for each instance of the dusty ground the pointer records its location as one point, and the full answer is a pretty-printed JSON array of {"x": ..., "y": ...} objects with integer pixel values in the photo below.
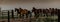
[
  {"x": 15, "y": 20},
  {"x": 26, "y": 20}
]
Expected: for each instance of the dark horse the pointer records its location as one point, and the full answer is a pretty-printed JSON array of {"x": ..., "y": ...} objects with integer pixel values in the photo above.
[
  {"x": 53, "y": 11},
  {"x": 22, "y": 12},
  {"x": 36, "y": 12},
  {"x": 56, "y": 11}
]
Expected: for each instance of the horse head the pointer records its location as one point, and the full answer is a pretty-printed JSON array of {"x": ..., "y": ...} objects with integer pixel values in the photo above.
[
  {"x": 56, "y": 9},
  {"x": 16, "y": 9},
  {"x": 50, "y": 10},
  {"x": 44, "y": 10},
  {"x": 20, "y": 9},
  {"x": 33, "y": 9}
]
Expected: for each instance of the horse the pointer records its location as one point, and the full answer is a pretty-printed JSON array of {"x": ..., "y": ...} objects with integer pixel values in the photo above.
[
  {"x": 17, "y": 10},
  {"x": 22, "y": 12},
  {"x": 36, "y": 12},
  {"x": 40, "y": 11},
  {"x": 46, "y": 12},
  {"x": 56, "y": 11},
  {"x": 52, "y": 11}
]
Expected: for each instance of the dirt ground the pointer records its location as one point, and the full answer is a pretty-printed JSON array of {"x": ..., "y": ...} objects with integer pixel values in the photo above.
[
  {"x": 25, "y": 20},
  {"x": 15, "y": 20}
]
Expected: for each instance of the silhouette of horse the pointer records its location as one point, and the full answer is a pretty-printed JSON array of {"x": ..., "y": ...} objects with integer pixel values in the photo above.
[
  {"x": 46, "y": 11},
  {"x": 22, "y": 12},
  {"x": 50, "y": 11},
  {"x": 36, "y": 12},
  {"x": 17, "y": 11},
  {"x": 56, "y": 11},
  {"x": 53, "y": 11}
]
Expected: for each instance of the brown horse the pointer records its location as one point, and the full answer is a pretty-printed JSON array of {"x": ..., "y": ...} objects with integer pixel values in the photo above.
[{"x": 22, "y": 12}]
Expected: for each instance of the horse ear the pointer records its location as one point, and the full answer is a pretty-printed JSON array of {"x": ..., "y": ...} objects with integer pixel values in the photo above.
[
  {"x": 33, "y": 7},
  {"x": 49, "y": 8},
  {"x": 20, "y": 8},
  {"x": 15, "y": 9}
]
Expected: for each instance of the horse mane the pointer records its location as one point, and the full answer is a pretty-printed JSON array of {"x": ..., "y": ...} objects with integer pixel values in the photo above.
[{"x": 16, "y": 9}]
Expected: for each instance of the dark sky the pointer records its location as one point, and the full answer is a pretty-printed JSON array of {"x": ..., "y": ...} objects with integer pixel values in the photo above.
[{"x": 28, "y": 4}]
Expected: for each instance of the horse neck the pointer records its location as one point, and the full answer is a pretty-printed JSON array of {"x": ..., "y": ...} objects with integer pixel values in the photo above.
[{"x": 16, "y": 10}]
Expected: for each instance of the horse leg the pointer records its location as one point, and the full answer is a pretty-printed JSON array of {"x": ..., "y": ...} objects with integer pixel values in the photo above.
[
  {"x": 30, "y": 16},
  {"x": 47, "y": 14},
  {"x": 51, "y": 14},
  {"x": 26, "y": 15},
  {"x": 20, "y": 16},
  {"x": 35, "y": 15},
  {"x": 17, "y": 15},
  {"x": 23, "y": 16}
]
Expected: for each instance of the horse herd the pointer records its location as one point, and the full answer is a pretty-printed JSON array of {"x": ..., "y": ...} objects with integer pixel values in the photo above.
[{"x": 38, "y": 12}]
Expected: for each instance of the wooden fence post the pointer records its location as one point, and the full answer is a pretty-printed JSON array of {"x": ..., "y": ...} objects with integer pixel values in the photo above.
[
  {"x": 8, "y": 17},
  {"x": 12, "y": 14}
]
